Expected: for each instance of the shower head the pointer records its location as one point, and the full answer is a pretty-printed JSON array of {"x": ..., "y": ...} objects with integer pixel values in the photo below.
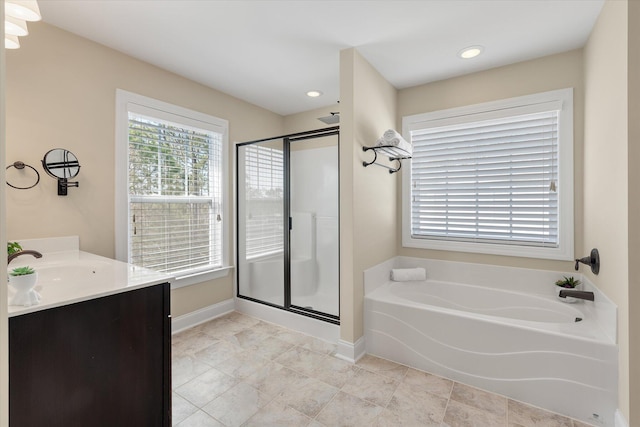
[{"x": 332, "y": 119}]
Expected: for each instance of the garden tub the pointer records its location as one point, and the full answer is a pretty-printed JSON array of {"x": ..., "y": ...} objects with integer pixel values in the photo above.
[{"x": 530, "y": 347}]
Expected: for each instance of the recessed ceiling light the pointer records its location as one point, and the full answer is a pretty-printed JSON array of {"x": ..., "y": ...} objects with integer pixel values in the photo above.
[
  {"x": 314, "y": 93},
  {"x": 470, "y": 52}
]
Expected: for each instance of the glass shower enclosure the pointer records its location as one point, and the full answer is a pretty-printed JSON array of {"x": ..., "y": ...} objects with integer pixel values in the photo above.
[{"x": 287, "y": 222}]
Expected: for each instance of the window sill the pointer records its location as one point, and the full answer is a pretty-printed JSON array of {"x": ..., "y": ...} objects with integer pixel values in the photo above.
[
  {"x": 561, "y": 253},
  {"x": 200, "y": 277}
]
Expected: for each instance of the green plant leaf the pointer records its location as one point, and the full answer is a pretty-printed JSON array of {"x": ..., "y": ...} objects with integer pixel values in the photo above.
[
  {"x": 568, "y": 282},
  {"x": 13, "y": 247},
  {"x": 22, "y": 271}
]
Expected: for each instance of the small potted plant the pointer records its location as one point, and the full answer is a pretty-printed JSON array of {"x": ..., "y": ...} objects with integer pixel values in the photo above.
[
  {"x": 23, "y": 280},
  {"x": 22, "y": 271},
  {"x": 567, "y": 283}
]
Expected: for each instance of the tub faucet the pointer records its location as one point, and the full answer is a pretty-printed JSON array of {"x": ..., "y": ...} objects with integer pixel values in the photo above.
[
  {"x": 23, "y": 252},
  {"x": 593, "y": 261},
  {"x": 576, "y": 294}
]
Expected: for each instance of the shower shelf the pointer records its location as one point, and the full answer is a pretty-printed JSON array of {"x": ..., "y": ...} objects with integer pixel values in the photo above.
[{"x": 391, "y": 151}]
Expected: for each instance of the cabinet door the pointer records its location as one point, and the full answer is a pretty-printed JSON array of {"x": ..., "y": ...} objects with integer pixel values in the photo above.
[{"x": 103, "y": 362}]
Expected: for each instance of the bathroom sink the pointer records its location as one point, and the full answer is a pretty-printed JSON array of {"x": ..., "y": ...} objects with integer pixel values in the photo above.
[
  {"x": 70, "y": 271},
  {"x": 69, "y": 278},
  {"x": 67, "y": 275}
]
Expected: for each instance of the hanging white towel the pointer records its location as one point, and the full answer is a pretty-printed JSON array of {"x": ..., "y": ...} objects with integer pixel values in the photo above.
[{"x": 408, "y": 274}]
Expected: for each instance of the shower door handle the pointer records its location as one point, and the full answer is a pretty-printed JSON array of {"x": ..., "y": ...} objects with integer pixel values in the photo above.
[{"x": 290, "y": 223}]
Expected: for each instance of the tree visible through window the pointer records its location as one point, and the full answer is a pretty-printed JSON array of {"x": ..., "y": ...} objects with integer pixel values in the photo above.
[
  {"x": 175, "y": 195},
  {"x": 264, "y": 169}
]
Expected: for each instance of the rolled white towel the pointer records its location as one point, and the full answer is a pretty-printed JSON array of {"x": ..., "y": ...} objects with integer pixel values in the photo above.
[
  {"x": 394, "y": 139},
  {"x": 390, "y": 137},
  {"x": 408, "y": 274}
]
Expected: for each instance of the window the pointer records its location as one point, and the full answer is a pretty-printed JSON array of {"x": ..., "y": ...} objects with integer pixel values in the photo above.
[
  {"x": 264, "y": 200},
  {"x": 171, "y": 209},
  {"x": 492, "y": 178}
]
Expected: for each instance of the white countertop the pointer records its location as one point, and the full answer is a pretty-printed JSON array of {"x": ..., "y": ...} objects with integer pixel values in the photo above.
[{"x": 67, "y": 277}]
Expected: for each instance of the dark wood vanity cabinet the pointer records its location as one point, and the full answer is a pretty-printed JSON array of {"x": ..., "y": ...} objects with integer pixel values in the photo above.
[{"x": 101, "y": 362}]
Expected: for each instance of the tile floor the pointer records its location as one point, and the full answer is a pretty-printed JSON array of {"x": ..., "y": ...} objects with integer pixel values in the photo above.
[{"x": 239, "y": 371}]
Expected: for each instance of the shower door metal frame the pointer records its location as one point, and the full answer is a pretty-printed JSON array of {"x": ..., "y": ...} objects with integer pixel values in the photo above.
[{"x": 287, "y": 140}]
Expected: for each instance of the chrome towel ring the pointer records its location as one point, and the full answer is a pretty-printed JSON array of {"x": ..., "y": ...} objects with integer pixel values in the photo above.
[{"x": 21, "y": 165}]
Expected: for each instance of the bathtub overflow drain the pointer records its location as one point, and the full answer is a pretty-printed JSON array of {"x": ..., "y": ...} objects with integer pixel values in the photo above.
[{"x": 578, "y": 319}]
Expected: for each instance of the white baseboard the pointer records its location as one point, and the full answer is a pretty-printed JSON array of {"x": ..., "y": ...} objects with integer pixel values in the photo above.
[
  {"x": 197, "y": 317},
  {"x": 351, "y": 352},
  {"x": 620, "y": 420}
]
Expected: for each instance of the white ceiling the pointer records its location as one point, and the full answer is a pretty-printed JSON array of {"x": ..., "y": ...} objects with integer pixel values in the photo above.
[{"x": 270, "y": 53}]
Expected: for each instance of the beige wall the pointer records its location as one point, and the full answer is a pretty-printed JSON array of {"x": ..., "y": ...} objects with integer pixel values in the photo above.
[
  {"x": 308, "y": 120},
  {"x": 633, "y": 52},
  {"x": 347, "y": 208},
  {"x": 539, "y": 75},
  {"x": 61, "y": 93},
  {"x": 606, "y": 173},
  {"x": 367, "y": 195}
]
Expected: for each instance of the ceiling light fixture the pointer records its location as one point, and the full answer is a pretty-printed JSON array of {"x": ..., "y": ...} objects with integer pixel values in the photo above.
[
  {"x": 314, "y": 93},
  {"x": 15, "y": 27},
  {"x": 470, "y": 52},
  {"x": 23, "y": 9},
  {"x": 11, "y": 42},
  {"x": 16, "y": 12}
]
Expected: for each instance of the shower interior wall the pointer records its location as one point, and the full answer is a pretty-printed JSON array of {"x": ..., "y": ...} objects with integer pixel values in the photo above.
[{"x": 314, "y": 191}]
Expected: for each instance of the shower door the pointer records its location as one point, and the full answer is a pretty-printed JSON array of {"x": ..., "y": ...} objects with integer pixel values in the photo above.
[
  {"x": 314, "y": 232},
  {"x": 287, "y": 222},
  {"x": 261, "y": 221}
]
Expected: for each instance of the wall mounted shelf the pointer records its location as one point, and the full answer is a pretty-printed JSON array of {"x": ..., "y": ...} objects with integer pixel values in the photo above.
[{"x": 391, "y": 151}]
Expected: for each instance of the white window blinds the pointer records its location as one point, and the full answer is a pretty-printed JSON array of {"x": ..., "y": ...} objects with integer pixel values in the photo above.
[
  {"x": 490, "y": 181},
  {"x": 264, "y": 200},
  {"x": 175, "y": 195}
]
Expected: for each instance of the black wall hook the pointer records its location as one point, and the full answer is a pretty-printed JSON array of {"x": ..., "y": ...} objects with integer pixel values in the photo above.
[{"x": 592, "y": 260}]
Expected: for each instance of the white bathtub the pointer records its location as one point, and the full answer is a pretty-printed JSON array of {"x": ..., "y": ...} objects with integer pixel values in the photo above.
[{"x": 527, "y": 346}]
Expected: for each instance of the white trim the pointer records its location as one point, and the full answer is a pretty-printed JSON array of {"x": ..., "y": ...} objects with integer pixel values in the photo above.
[
  {"x": 531, "y": 103},
  {"x": 189, "y": 320},
  {"x": 199, "y": 277},
  {"x": 351, "y": 352},
  {"x": 565, "y": 250},
  {"x": 620, "y": 420},
  {"x": 124, "y": 102},
  {"x": 121, "y": 172}
]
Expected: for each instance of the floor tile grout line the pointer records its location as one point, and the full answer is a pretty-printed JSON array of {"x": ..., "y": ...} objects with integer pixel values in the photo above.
[
  {"x": 444, "y": 413},
  {"x": 325, "y": 352},
  {"x": 325, "y": 405}
]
